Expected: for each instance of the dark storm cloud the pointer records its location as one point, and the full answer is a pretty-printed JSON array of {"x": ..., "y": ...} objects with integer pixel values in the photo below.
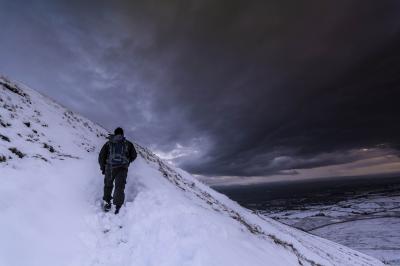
[
  {"x": 250, "y": 87},
  {"x": 266, "y": 81}
]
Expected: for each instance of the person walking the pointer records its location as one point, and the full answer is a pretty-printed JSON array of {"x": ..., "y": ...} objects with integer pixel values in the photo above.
[{"x": 114, "y": 159}]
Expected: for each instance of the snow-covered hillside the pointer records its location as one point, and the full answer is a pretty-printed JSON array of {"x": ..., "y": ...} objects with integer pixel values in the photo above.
[{"x": 50, "y": 194}]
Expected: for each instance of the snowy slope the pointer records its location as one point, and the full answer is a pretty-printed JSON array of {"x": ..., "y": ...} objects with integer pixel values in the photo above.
[{"x": 51, "y": 188}]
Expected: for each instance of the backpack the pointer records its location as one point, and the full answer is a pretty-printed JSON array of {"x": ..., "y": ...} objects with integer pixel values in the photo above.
[{"x": 118, "y": 150}]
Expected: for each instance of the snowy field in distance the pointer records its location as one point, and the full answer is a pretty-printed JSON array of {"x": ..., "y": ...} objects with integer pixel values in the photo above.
[{"x": 368, "y": 222}]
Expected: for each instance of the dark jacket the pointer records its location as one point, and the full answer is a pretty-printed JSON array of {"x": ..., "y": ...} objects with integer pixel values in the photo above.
[{"x": 104, "y": 152}]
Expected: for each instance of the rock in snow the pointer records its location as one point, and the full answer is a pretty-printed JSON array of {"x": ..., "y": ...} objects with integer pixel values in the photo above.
[{"x": 51, "y": 189}]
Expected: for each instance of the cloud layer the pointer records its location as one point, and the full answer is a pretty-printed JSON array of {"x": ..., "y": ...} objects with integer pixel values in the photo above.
[{"x": 220, "y": 87}]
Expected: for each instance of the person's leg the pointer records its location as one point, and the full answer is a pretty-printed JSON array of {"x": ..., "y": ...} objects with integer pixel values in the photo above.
[
  {"x": 120, "y": 181},
  {"x": 108, "y": 184}
]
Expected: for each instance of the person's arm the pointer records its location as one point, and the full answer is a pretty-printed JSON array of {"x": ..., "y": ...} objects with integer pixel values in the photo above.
[
  {"x": 103, "y": 157},
  {"x": 132, "y": 152}
]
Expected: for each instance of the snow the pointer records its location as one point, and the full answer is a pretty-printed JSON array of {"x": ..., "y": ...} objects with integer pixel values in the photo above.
[
  {"x": 368, "y": 221},
  {"x": 379, "y": 237},
  {"x": 50, "y": 204}
]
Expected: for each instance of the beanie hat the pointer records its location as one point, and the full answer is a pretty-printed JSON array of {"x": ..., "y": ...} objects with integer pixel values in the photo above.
[{"x": 119, "y": 131}]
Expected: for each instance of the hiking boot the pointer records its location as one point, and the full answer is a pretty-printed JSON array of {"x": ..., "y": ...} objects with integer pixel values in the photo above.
[
  {"x": 117, "y": 209},
  {"x": 106, "y": 206}
]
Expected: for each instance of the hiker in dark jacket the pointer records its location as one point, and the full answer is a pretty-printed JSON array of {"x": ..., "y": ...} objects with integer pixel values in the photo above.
[{"x": 114, "y": 159}]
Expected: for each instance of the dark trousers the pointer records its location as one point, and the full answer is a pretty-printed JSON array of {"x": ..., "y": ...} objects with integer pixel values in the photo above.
[{"x": 118, "y": 175}]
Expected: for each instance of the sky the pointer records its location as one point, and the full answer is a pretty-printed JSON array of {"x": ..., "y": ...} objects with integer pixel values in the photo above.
[{"x": 235, "y": 92}]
